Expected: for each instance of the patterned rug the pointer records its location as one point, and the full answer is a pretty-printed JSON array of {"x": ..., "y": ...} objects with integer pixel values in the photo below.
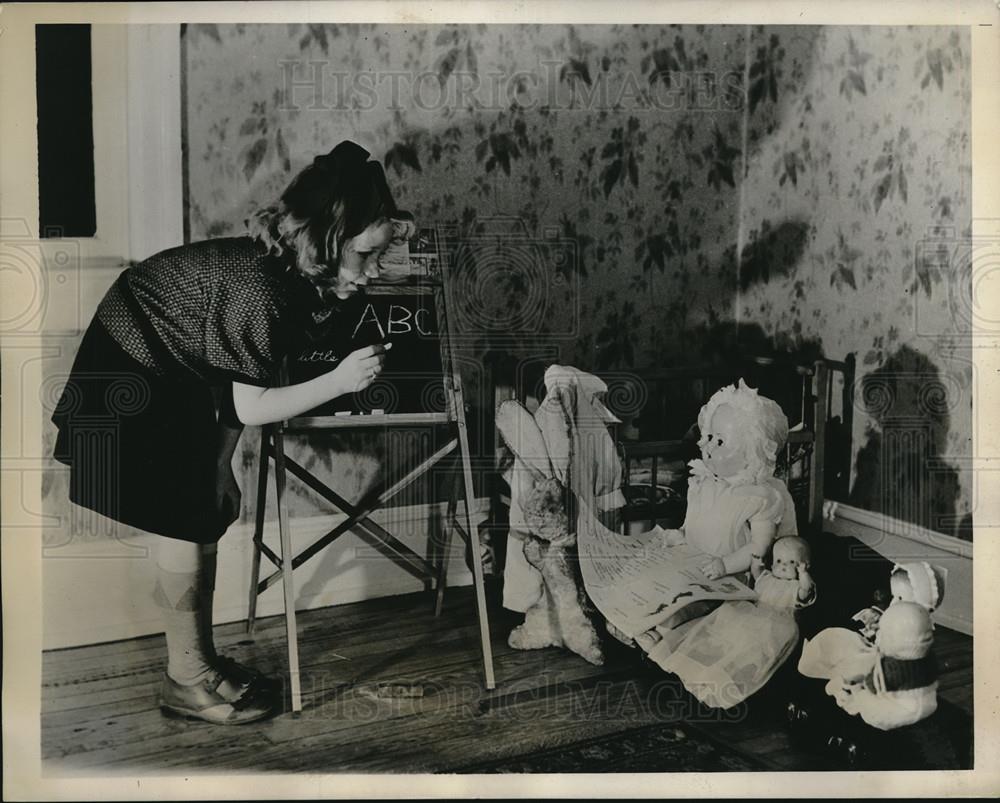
[{"x": 653, "y": 748}]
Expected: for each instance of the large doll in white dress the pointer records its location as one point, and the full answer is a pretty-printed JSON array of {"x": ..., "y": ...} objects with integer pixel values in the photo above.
[{"x": 736, "y": 506}]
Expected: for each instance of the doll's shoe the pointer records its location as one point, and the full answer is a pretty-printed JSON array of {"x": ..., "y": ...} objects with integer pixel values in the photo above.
[
  {"x": 209, "y": 700},
  {"x": 799, "y": 716},
  {"x": 806, "y": 727},
  {"x": 246, "y": 677},
  {"x": 846, "y": 751}
]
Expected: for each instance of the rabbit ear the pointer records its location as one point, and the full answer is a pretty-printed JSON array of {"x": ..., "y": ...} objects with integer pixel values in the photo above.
[
  {"x": 553, "y": 420},
  {"x": 522, "y": 435}
]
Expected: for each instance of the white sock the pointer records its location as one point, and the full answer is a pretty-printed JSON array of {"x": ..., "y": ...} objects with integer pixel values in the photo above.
[{"x": 177, "y": 596}]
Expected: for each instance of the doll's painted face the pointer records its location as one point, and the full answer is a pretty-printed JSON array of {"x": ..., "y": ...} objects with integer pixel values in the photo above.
[
  {"x": 723, "y": 445},
  {"x": 786, "y": 557},
  {"x": 902, "y": 590}
]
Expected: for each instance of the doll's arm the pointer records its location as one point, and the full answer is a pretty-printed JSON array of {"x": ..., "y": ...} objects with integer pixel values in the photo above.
[
  {"x": 806, "y": 594},
  {"x": 753, "y": 553}
]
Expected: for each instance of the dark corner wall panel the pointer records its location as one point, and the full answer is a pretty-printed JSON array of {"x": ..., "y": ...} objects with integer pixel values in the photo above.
[{"x": 65, "y": 131}]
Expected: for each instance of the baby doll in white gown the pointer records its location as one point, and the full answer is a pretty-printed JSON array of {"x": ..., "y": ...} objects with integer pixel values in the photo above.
[
  {"x": 920, "y": 583},
  {"x": 896, "y": 683},
  {"x": 886, "y": 673},
  {"x": 731, "y": 653}
]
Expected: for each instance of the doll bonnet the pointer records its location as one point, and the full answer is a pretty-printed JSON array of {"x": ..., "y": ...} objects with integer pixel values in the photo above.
[
  {"x": 926, "y": 581},
  {"x": 905, "y": 631},
  {"x": 767, "y": 425}
]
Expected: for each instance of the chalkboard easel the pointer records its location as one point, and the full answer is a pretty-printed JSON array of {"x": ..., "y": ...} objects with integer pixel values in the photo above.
[{"x": 420, "y": 385}]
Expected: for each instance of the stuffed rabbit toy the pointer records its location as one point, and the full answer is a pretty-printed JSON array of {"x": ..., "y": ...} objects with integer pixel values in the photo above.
[{"x": 547, "y": 449}]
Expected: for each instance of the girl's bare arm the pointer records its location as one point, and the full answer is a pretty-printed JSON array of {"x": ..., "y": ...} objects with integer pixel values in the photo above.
[{"x": 256, "y": 406}]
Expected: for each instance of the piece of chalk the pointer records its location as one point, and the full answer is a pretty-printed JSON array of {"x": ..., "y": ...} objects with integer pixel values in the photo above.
[
  {"x": 388, "y": 346},
  {"x": 378, "y": 412},
  {"x": 343, "y": 412}
]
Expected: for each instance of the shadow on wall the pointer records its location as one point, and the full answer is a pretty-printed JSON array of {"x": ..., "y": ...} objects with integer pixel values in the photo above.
[
  {"x": 773, "y": 252},
  {"x": 719, "y": 350},
  {"x": 724, "y": 352},
  {"x": 899, "y": 468}
]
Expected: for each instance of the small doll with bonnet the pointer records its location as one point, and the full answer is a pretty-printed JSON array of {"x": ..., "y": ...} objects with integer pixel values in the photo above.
[
  {"x": 895, "y": 684},
  {"x": 908, "y": 582},
  {"x": 736, "y": 649},
  {"x": 822, "y": 656}
]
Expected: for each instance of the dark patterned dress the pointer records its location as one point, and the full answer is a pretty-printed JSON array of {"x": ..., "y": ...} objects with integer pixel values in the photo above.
[{"x": 138, "y": 417}]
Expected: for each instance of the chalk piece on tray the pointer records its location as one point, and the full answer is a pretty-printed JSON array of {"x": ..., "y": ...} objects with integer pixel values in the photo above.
[
  {"x": 343, "y": 412},
  {"x": 378, "y": 412}
]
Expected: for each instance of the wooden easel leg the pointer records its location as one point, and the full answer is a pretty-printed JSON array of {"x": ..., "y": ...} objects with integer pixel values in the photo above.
[
  {"x": 258, "y": 529},
  {"x": 287, "y": 576},
  {"x": 448, "y": 531},
  {"x": 479, "y": 579}
]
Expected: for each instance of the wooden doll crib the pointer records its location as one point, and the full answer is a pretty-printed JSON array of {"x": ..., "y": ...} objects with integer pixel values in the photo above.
[
  {"x": 808, "y": 464},
  {"x": 815, "y": 462}
]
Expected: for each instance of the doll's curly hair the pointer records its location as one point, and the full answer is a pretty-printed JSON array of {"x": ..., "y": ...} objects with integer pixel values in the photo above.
[
  {"x": 767, "y": 427},
  {"x": 333, "y": 199}
]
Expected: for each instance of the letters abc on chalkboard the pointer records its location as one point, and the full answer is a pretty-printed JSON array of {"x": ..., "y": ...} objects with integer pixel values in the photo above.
[{"x": 412, "y": 380}]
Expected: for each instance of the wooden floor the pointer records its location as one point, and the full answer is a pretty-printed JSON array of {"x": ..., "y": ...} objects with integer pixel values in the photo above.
[{"x": 99, "y": 709}]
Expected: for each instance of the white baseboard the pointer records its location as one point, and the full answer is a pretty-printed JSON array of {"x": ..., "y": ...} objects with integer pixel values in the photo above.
[
  {"x": 95, "y": 595},
  {"x": 903, "y": 542}
]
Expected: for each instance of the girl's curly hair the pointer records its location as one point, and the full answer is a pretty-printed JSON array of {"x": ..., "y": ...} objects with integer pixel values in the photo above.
[{"x": 335, "y": 198}]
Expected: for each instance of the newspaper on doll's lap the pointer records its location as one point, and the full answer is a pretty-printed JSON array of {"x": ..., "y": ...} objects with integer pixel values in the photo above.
[{"x": 640, "y": 581}]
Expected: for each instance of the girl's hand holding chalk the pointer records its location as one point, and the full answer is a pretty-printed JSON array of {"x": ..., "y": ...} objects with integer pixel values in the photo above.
[{"x": 360, "y": 368}]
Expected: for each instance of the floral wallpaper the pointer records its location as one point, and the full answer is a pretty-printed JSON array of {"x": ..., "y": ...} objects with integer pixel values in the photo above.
[
  {"x": 688, "y": 192},
  {"x": 788, "y": 189},
  {"x": 623, "y": 141},
  {"x": 856, "y": 205}
]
